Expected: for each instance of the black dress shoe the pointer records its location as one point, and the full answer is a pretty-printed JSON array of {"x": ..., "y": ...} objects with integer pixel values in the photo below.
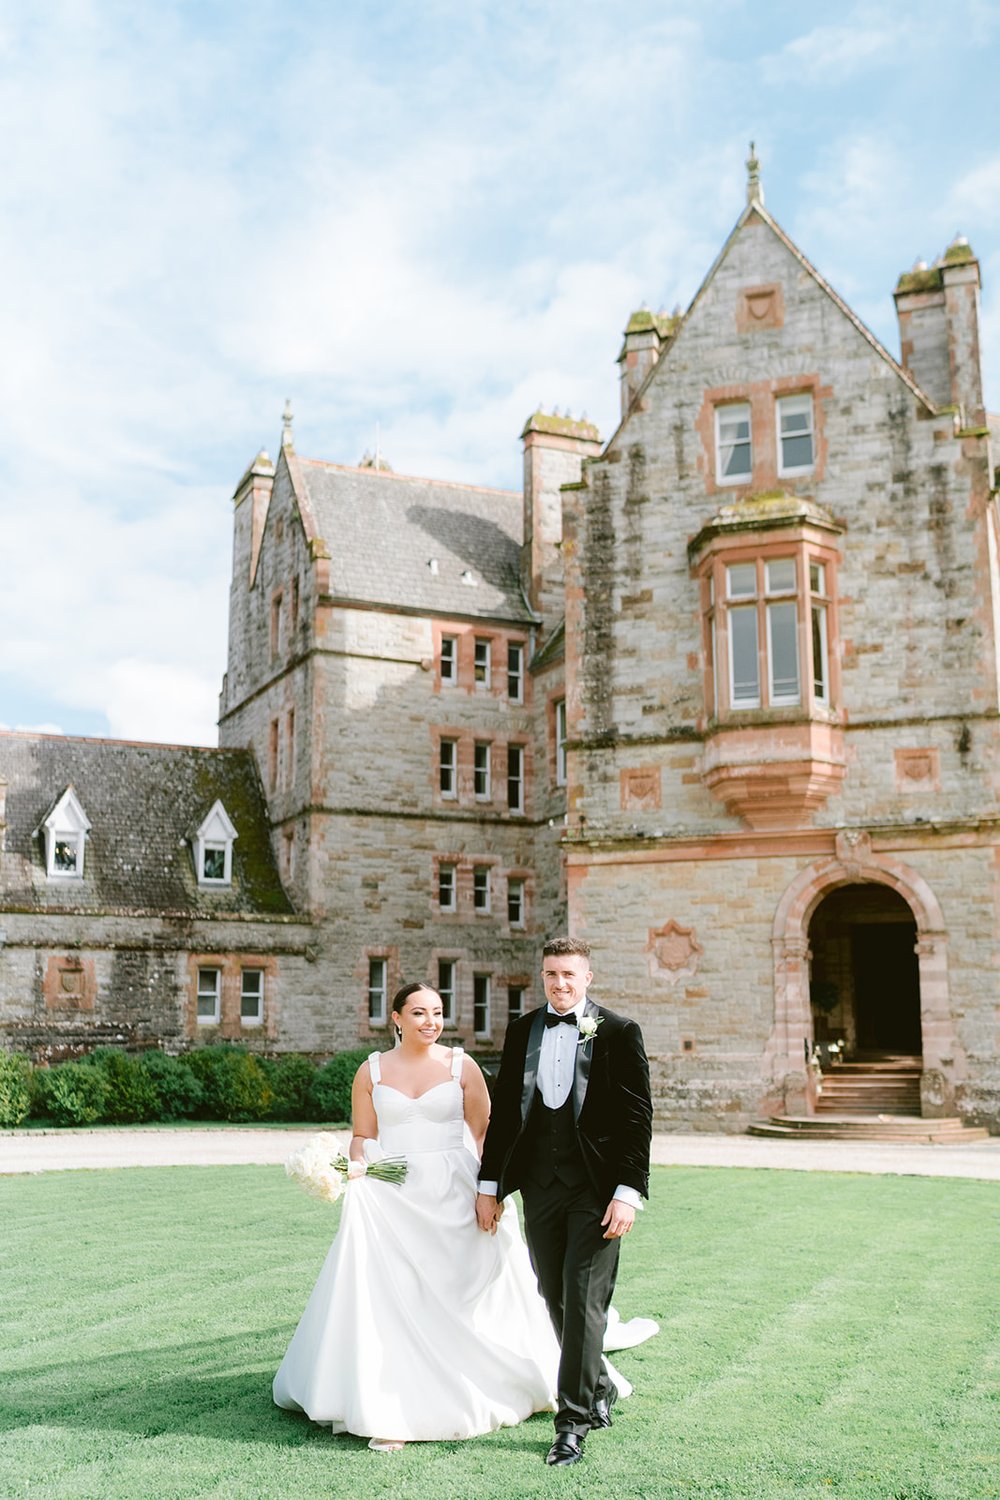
[
  {"x": 600, "y": 1412},
  {"x": 567, "y": 1449}
]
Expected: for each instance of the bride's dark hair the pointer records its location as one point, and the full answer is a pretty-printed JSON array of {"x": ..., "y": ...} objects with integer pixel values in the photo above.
[{"x": 400, "y": 998}]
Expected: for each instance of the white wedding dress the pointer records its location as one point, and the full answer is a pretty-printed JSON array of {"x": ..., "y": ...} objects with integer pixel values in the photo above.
[{"x": 420, "y": 1326}]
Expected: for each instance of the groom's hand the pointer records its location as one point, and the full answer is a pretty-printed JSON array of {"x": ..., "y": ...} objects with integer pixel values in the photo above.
[
  {"x": 619, "y": 1218},
  {"x": 488, "y": 1212}
]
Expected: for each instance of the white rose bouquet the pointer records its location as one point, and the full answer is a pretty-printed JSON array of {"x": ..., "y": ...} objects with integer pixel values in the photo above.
[{"x": 323, "y": 1171}]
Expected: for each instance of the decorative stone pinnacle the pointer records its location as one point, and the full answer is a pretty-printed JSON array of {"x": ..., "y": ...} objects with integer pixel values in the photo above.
[
  {"x": 287, "y": 440},
  {"x": 755, "y": 190}
]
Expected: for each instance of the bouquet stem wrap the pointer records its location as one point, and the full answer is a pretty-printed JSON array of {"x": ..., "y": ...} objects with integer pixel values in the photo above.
[{"x": 321, "y": 1169}]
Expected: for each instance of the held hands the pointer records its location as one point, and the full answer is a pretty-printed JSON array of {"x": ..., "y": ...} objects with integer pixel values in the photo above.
[
  {"x": 619, "y": 1218},
  {"x": 488, "y": 1212}
]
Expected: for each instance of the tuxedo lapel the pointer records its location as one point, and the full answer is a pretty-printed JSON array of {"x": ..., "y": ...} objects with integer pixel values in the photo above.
[
  {"x": 532, "y": 1055},
  {"x": 581, "y": 1074}
]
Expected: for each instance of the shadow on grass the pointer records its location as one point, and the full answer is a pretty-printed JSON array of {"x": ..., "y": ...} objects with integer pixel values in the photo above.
[{"x": 182, "y": 1388}]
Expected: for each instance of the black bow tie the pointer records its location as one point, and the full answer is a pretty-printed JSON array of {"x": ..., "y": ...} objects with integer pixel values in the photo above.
[{"x": 551, "y": 1019}]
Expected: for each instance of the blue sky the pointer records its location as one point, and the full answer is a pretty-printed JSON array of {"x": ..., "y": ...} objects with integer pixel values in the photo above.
[{"x": 432, "y": 217}]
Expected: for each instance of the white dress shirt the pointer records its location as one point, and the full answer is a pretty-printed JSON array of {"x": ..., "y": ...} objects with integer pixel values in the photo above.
[{"x": 556, "y": 1071}]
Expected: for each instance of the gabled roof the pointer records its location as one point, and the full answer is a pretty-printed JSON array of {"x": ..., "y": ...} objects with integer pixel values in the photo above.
[
  {"x": 756, "y": 208},
  {"x": 142, "y": 801},
  {"x": 432, "y": 546}
]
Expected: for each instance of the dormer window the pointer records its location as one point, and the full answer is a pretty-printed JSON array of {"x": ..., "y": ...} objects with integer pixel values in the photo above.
[
  {"x": 65, "y": 831},
  {"x": 213, "y": 848}
]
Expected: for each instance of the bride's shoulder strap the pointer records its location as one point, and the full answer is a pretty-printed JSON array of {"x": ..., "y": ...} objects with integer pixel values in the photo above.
[
  {"x": 457, "y": 1058},
  {"x": 375, "y": 1066}
]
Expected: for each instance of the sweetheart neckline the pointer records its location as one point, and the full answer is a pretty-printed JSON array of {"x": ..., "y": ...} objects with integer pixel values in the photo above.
[{"x": 414, "y": 1097}]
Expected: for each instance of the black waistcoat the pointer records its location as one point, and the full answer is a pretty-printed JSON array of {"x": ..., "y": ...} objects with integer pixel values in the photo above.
[{"x": 553, "y": 1147}]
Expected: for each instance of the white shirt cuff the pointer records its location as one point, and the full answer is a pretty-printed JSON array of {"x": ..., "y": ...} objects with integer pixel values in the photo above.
[
  {"x": 626, "y": 1195},
  {"x": 489, "y": 1188}
]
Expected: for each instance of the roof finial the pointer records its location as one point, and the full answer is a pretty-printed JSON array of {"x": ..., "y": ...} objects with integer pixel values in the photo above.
[
  {"x": 287, "y": 440},
  {"x": 755, "y": 190}
]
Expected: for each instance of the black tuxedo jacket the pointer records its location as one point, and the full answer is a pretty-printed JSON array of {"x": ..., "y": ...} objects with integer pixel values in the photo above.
[{"x": 611, "y": 1104}]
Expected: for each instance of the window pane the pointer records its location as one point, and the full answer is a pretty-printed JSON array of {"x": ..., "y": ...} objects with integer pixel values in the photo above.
[
  {"x": 745, "y": 684},
  {"x": 741, "y": 581},
  {"x": 515, "y": 673},
  {"x": 561, "y": 742},
  {"x": 64, "y": 854},
  {"x": 446, "y": 989},
  {"x": 448, "y": 644},
  {"x": 734, "y": 442},
  {"x": 782, "y": 627},
  {"x": 781, "y": 576},
  {"x": 214, "y": 864},
  {"x": 515, "y": 902},
  {"x": 821, "y": 676},
  {"x": 515, "y": 1001},
  {"x": 376, "y": 989},
  {"x": 446, "y": 887},
  {"x": 482, "y": 661},
  {"x": 481, "y": 771},
  {"x": 208, "y": 994},
  {"x": 481, "y": 1004},
  {"x": 448, "y": 762},
  {"x": 481, "y": 888},
  {"x": 795, "y": 431},
  {"x": 515, "y": 774},
  {"x": 252, "y": 995},
  {"x": 817, "y": 577}
]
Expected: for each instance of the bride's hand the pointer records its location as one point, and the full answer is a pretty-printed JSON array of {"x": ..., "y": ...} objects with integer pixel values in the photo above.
[{"x": 488, "y": 1212}]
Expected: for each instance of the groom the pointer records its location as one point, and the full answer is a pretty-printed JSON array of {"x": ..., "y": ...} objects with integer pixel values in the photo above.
[{"x": 571, "y": 1128}]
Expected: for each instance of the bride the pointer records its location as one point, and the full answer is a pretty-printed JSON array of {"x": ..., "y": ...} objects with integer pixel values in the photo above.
[{"x": 420, "y": 1327}]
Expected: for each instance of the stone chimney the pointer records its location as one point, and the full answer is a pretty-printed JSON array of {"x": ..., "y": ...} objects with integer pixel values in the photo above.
[
  {"x": 554, "y": 450},
  {"x": 646, "y": 337},
  {"x": 938, "y": 311},
  {"x": 254, "y": 491}
]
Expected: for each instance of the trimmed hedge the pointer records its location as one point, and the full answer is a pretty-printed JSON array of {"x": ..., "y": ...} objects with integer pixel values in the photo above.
[
  {"x": 235, "y": 1083},
  {"x": 131, "y": 1096},
  {"x": 221, "y": 1082},
  {"x": 15, "y": 1088},
  {"x": 72, "y": 1093},
  {"x": 331, "y": 1088},
  {"x": 291, "y": 1077},
  {"x": 179, "y": 1093}
]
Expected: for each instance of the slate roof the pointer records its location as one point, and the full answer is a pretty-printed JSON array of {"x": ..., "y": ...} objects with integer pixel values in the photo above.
[
  {"x": 142, "y": 801},
  {"x": 382, "y": 531}
]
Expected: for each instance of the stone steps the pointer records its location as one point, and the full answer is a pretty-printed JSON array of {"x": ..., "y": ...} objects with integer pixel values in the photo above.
[
  {"x": 874, "y": 1127},
  {"x": 886, "y": 1087}
]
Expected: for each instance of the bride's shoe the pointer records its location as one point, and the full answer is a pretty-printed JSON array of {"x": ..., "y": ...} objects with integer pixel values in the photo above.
[{"x": 385, "y": 1445}]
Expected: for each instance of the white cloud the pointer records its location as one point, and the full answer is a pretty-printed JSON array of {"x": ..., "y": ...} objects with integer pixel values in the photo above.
[
  {"x": 833, "y": 53},
  {"x": 147, "y": 700}
]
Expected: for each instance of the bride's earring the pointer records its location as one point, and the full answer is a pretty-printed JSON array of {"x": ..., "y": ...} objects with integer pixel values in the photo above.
[{"x": 399, "y": 1034}]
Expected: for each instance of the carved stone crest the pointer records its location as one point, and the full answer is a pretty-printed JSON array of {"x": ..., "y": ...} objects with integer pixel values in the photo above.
[
  {"x": 640, "y": 788},
  {"x": 674, "y": 952},
  {"x": 853, "y": 848}
]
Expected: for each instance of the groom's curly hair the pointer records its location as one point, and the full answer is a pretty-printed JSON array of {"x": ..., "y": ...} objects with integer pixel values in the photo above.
[{"x": 562, "y": 947}]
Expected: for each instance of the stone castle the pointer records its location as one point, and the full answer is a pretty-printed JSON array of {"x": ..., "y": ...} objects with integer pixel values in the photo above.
[{"x": 720, "y": 694}]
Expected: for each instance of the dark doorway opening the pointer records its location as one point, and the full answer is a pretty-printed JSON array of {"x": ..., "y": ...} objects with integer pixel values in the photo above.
[{"x": 864, "y": 977}]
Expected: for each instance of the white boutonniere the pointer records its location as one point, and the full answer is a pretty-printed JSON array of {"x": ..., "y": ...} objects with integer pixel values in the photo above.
[{"x": 588, "y": 1029}]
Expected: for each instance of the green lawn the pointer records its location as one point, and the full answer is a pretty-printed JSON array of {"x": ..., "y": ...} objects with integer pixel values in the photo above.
[{"x": 822, "y": 1336}]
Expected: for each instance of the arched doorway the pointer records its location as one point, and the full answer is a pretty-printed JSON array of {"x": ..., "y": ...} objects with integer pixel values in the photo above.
[{"x": 864, "y": 982}]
